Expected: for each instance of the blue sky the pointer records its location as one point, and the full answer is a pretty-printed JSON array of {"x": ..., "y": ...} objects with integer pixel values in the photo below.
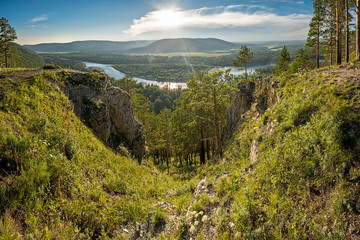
[{"x": 40, "y": 21}]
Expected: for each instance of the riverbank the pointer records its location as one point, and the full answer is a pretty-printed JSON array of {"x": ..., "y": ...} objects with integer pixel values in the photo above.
[{"x": 112, "y": 72}]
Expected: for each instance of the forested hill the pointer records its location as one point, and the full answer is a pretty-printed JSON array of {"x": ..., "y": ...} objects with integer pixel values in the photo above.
[
  {"x": 185, "y": 45},
  {"x": 88, "y": 46},
  {"x": 160, "y": 46},
  {"x": 20, "y": 56}
]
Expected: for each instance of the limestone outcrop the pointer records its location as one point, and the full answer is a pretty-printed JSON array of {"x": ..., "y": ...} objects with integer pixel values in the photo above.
[
  {"x": 106, "y": 109},
  {"x": 243, "y": 99},
  {"x": 258, "y": 95}
]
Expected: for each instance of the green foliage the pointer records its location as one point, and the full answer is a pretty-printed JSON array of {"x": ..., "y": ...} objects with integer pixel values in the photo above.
[
  {"x": 284, "y": 61},
  {"x": 301, "y": 63},
  {"x": 161, "y": 71},
  {"x": 317, "y": 31},
  {"x": 160, "y": 98},
  {"x": 21, "y": 57},
  {"x": 13, "y": 152},
  {"x": 57, "y": 179},
  {"x": 243, "y": 58},
  {"x": 26, "y": 58},
  {"x": 63, "y": 63},
  {"x": 159, "y": 218},
  {"x": 7, "y": 36},
  {"x": 182, "y": 204},
  {"x": 294, "y": 189},
  {"x": 50, "y": 66}
]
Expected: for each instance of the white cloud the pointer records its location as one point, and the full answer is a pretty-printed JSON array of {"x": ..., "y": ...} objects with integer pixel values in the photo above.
[
  {"x": 234, "y": 16},
  {"x": 38, "y": 21}
]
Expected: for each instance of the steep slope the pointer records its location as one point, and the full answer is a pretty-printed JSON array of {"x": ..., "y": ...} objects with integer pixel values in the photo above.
[
  {"x": 105, "y": 109},
  {"x": 57, "y": 180},
  {"x": 185, "y": 45},
  {"x": 292, "y": 170},
  {"x": 88, "y": 46}
]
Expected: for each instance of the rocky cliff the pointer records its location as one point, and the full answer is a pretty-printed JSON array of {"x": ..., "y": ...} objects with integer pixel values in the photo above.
[
  {"x": 260, "y": 95},
  {"x": 106, "y": 109}
]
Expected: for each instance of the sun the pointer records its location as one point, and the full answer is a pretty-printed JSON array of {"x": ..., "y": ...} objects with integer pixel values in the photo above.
[{"x": 168, "y": 18}]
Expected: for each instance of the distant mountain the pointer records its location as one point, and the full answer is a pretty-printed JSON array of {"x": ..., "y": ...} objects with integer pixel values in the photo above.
[
  {"x": 157, "y": 47},
  {"x": 88, "y": 46},
  {"x": 185, "y": 45}
]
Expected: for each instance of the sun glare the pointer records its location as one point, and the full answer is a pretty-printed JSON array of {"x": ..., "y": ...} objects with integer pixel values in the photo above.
[{"x": 168, "y": 18}]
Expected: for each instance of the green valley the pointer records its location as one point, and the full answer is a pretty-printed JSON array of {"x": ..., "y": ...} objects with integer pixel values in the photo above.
[{"x": 89, "y": 151}]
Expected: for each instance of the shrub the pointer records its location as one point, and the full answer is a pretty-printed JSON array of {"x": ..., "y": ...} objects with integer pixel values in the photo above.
[
  {"x": 50, "y": 66},
  {"x": 159, "y": 218}
]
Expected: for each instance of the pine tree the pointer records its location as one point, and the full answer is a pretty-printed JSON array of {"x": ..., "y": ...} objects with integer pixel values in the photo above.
[
  {"x": 316, "y": 30},
  {"x": 243, "y": 58},
  {"x": 339, "y": 26},
  {"x": 356, "y": 3},
  {"x": 301, "y": 63},
  {"x": 284, "y": 61},
  {"x": 7, "y": 35},
  {"x": 347, "y": 48},
  {"x": 329, "y": 31},
  {"x": 203, "y": 110}
]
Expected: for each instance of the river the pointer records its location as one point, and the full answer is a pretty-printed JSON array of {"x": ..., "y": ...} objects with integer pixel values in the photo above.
[
  {"x": 251, "y": 69},
  {"x": 112, "y": 72}
]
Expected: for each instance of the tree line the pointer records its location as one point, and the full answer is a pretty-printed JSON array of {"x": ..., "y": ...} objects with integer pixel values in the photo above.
[{"x": 330, "y": 35}]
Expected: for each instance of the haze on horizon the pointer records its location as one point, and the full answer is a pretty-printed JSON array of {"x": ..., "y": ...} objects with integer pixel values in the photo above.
[{"x": 42, "y": 21}]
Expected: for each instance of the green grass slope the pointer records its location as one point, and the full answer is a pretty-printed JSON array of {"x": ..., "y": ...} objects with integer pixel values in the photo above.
[
  {"x": 292, "y": 172},
  {"x": 57, "y": 180},
  {"x": 303, "y": 182}
]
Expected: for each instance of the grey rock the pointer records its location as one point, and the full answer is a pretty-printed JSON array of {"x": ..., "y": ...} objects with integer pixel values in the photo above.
[
  {"x": 107, "y": 110},
  {"x": 254, "y": 153},
  {"x": 260, "y": 95},
  {"x": 241, "y": 103}
]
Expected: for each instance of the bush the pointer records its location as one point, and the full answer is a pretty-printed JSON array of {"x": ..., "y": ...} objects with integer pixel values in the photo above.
[
  {"x": 50, "y": 66},
  {"x": 159, "y": 218}
]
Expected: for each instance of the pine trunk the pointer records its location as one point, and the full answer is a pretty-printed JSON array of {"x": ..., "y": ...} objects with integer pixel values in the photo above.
[
  {"x": 338, "y": 32},
  {"x": 202, "y": 148},
  {"x": 6, "y": 59},
  {"x": 347, "y": 31},
  {"x": 331, "y": 45},
  {"x": 357, "y": 8},
  {"x": 208, "y": 149},
  {"x": 332, "y": 32},
  {"x": 167, "y": 151},
  {"x": 318, "y": 44},
  {"x": 246, "y": 75},
  {"x": 216, "y": 122}
]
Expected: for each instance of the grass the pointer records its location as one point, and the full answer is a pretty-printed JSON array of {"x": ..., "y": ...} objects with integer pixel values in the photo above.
[
  {"x": 57, "y": 179},
  {"x": 300, "y": 187}
]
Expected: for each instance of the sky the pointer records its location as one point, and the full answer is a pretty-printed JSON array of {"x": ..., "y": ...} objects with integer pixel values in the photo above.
[{"x": 40, "y": 21}]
